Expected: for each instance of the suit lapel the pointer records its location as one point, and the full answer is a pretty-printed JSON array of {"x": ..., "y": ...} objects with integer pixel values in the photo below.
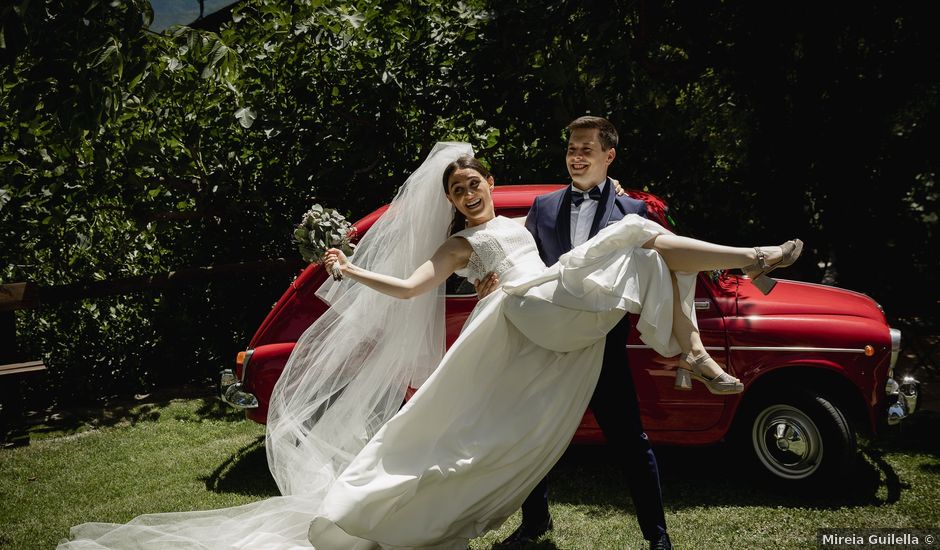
[
  {"x": 604, "y": 208},
  {"x": 563, "y": 222}
]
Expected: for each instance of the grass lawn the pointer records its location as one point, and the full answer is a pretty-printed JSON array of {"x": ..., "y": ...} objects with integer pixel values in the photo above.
[{"x": 192, "y": 454}]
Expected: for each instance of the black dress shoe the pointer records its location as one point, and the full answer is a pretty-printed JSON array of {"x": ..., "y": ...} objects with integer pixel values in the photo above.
[
  {"x": 528, "y": 533},
  {"x": 661, "y": 543}
]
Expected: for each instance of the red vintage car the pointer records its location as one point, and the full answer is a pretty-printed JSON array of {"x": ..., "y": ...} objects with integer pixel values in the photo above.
[{"x": 816, "y": 362}]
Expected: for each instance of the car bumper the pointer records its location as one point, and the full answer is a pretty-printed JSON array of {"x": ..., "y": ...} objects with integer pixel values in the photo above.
[
  {"x": 903, "y": 397},
  {"x": 231, "y": 389},
  {"x": 233, "y": 393}
]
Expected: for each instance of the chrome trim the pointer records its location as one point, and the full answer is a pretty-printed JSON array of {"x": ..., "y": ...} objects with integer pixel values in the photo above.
[
  {"x": 236, "y": 397},
  {"x": 896, "y": 414},
  {"x": 796, "y": 348},
  {"x": 909, "y": 392},
  {"x": 227, "y": 378},
  {"x": 248, "y": 354},
  {"x": 895, "y": 345},
  {"x": 232, "y": 393},
  {"x": 902, "y": 399},
  {"x": 787, "y": 442},
  {"x": 644, "y": 346},
  {"x": 699, "y": 304}
]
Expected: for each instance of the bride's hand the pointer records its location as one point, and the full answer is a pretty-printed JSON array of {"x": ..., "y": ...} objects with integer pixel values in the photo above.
[
  {"x": 617, "y": 188},
  {"x": 333, "y": 257}
]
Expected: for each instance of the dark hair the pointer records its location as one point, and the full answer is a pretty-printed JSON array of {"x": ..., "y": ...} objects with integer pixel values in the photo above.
[
  {"x": 465, "y": 161},
  {"x": 606, "y": 131}
]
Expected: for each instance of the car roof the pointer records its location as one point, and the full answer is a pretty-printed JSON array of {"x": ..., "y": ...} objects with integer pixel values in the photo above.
[{"x": 519, "y": 197}]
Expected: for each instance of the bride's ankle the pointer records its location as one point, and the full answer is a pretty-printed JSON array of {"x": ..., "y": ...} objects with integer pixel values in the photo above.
[
  {"x": 771, "y": 254},
  {"x": 700, "y": 361},
  {"x": 689, "y": 358}
]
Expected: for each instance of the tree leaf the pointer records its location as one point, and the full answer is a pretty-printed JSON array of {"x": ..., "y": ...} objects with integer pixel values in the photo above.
[
  {"x": 246, "y": 117},
  {"x": 106, "y": 52}
]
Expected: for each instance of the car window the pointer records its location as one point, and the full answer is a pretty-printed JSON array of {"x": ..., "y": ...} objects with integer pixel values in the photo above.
[{"x": 458, "y": 286}]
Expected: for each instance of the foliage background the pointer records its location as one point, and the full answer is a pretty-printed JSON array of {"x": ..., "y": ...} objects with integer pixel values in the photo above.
[{"x": 126, "y": 152}]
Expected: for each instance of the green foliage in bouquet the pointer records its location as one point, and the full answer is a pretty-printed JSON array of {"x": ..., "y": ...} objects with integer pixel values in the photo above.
[{"x": 321, "y": 229}]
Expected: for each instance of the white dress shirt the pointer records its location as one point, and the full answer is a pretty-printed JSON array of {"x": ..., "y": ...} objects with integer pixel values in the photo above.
[{"x": 582, "y": 216}]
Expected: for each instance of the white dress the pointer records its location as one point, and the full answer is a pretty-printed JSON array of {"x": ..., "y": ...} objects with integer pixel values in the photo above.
[
  {"x": 503, "y": 405},
  {"x": 486, "y": 426}
]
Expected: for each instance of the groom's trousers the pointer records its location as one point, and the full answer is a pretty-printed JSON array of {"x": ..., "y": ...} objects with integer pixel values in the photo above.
[{"x": 617, "y": 411}]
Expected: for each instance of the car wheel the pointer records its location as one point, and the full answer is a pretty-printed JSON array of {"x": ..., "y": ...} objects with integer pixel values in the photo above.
[{"x": 801, "y": 437}]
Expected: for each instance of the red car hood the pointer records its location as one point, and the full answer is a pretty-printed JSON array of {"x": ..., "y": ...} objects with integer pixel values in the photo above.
[{"x": 798, "y": 298}]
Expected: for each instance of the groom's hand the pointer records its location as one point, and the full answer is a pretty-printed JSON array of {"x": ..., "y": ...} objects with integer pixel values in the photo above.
[{"x": 486, "y": 285}]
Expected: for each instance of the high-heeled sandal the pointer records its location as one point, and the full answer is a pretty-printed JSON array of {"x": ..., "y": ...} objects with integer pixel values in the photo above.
[
  {"x": 723, "y": 384},
  {"x": 758, "y": 271}
]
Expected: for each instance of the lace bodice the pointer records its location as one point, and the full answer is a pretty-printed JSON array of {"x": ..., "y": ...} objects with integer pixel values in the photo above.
[{"x": 503, "y": 246}]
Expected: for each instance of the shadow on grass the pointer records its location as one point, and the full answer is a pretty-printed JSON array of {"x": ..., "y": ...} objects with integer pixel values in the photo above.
[
  {"x": 539, "y": 545},
  {"x": 717, "y": 476},
  {"x": 245, "y": 472},
  {"x": 691, "y": 476},
  {"x": 915, "y": 435},
  {"x": 129, "y": 412}
]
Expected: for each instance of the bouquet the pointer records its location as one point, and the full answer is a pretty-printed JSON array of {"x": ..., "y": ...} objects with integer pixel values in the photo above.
[{"x": 321, "y": 229}]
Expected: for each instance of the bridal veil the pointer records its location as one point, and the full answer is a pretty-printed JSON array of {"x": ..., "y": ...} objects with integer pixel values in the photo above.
[{"x": 346, "y": 377}]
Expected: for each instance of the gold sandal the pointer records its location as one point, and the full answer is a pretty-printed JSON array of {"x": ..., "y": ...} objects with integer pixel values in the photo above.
[
  {"x": 723, "y": 384},
  {"x": 759, "y": 270}
]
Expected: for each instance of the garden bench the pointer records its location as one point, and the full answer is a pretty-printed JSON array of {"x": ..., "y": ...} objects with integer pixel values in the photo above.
[{"x": 13, "y": 297}]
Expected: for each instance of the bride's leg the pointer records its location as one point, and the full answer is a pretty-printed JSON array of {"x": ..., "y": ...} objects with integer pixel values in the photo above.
[
  {"x": 687, "y": 334},
  {"x": 690, "y": 255},
  {"x": 682, "y": 328},
  {"x": 694, "y": 357}
]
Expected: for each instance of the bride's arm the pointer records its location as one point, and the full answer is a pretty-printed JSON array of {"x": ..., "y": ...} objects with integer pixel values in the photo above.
[{"x": 451, "y": 256}]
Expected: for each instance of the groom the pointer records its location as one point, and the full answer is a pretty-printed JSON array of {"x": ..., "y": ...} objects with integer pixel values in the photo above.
[{"x": 560, "y": 221}]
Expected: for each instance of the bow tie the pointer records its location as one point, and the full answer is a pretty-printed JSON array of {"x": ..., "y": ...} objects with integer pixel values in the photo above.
[{"x": 577, "y": 196}]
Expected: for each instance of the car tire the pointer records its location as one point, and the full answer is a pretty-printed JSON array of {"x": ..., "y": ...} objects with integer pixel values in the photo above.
[{"x": 799, "y": 436}]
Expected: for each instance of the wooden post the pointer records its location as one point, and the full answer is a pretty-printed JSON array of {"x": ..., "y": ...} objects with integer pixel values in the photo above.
[
  {"x": 12, "y": 407},
  {"x": 13, "y": 297}
]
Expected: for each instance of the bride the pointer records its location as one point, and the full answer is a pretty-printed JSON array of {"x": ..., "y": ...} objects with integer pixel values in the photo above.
[{"x": 491, "y": 416}]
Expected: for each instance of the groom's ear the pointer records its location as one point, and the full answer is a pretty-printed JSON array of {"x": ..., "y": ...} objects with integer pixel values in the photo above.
[
  {"x": 611, "y": 155},
  {"x": 491, "y": 181}
]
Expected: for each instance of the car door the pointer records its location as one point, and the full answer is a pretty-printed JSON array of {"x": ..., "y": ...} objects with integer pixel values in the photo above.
[{"x": 661, "y": 406}]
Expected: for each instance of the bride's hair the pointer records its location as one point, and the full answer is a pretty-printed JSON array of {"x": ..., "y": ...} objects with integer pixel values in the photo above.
[{"x": 465, "y": 161}]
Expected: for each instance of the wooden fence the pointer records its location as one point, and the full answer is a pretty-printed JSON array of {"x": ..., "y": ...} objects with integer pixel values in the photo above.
[{"x": 27, "y": 295}]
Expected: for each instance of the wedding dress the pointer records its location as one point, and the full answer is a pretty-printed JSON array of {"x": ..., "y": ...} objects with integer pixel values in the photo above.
[
  {"x": 504, "y": 403},
  {"x": 483, "y": 429}
]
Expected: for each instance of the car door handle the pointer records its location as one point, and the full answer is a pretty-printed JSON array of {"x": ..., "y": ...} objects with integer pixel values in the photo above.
[{"x": 703, "y": 304}]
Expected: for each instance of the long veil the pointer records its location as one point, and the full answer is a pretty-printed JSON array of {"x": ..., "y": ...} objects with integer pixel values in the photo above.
[
  {"x": 346, "y": 377},
  {"x": 349, "y": 371}
]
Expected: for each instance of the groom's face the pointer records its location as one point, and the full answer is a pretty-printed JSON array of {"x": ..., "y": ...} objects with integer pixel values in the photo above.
[{"x": 587, "y": 159}]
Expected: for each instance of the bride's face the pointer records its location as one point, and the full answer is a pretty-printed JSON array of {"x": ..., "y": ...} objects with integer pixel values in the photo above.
[{"x": 471, "y": 194}]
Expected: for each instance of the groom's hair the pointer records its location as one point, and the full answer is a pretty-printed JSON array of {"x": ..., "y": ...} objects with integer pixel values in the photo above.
[{"x": 606, "y": 131}]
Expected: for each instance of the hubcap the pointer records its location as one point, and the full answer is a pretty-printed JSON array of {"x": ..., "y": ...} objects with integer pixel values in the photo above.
[{"x": 787, "y": 442}]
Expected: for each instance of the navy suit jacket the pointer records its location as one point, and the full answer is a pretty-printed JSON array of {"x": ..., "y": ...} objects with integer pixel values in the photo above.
[{"x": 549, "y": 219}]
